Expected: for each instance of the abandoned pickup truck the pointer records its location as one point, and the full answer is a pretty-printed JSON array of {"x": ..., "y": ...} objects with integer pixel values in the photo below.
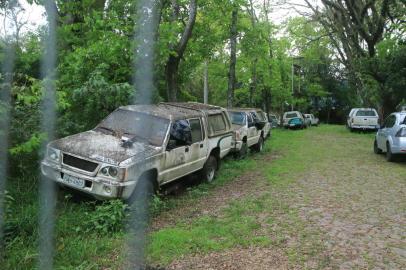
[
  {"x": 250, "y": 130},
  {"x": 164, "y": 141}
]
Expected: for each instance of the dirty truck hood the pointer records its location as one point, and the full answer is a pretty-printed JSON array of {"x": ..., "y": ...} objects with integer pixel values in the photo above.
[{"x": 102, "y": 147}]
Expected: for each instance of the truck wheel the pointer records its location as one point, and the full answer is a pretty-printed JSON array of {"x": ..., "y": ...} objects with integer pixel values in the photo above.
[
  {"x": 243, "y": 151},
  {"x": 376, "y": 149},
  {"x": 259, "y": 146},
  {"x": 389, "y": 155},
  {"x": 208, "y": 173}
]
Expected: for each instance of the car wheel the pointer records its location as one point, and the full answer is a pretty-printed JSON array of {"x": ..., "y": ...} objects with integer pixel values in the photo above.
[
  {"x": 259, "y": 146},
  {"x": 376, "y": 148},
  {"x": 389, "y": 155},
  {"x": 208, "y": 173}
]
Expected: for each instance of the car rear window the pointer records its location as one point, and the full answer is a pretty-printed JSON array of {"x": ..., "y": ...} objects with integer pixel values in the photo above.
[
  {"x": 291, "y": 115},
  {"x": 365, "y": 113},
  {"x": 237, "y": 118},
  {"x": 217, "y": 123},
  {"x": 261, "y": 116}
]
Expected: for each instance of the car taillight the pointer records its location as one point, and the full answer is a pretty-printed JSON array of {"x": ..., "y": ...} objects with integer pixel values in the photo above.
[{"x": 401, "y": 132}]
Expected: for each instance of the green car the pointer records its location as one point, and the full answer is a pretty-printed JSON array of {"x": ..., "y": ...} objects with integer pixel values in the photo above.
[{"x": 296, "y": 123}]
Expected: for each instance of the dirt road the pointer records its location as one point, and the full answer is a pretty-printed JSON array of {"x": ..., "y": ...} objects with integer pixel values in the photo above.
[{"x": 327, "y": 202}]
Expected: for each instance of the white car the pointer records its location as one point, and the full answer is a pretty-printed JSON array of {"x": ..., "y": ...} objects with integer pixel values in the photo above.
[
  {"x": 363, "y": 119},
  {"x": 313, "y": 120},
  {"x": 391, "y": 138}
]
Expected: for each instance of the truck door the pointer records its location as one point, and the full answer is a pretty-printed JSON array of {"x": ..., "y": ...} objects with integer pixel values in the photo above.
[
  {"x": 199, "y": 146},
  {"x": 177, "y": 152},
  {"x": 253, "y": 132}
]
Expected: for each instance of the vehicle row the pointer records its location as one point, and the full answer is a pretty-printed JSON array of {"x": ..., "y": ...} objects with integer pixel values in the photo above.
[
  {"x": 296, "y": 119},
  {"x": 161, "y": 143}
]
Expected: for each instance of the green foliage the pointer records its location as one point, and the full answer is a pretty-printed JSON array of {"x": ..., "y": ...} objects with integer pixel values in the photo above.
[
  {"x": 97, "y": 98},
  {"x": 107, "y": 218}
]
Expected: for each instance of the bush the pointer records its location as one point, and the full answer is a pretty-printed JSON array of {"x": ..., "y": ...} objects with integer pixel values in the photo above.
[{"x": 108, "y": 217}]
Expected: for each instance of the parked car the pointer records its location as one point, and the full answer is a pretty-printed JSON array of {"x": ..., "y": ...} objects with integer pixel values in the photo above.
[
  {"x": 249, "y": 130},
  {"x": 293, "y": 119},
  {"x": 363, "y": 119},
  {"x": 391, "y": 138},
  {"x": 314, "y": 121},
  {"x": 274, "y": 120},
  {"x": 307, "y": 121},
  {"x": 160, "y": 142}
]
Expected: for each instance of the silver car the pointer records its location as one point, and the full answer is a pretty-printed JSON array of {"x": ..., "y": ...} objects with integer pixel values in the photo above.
[{"x": 391, "y": 137}]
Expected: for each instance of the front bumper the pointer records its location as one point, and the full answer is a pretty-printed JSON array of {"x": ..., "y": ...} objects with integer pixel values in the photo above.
[{"x": 95, "y": 186}]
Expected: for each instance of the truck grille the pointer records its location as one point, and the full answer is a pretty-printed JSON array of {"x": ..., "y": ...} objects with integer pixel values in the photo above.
[{"x": 79, "y": 163}]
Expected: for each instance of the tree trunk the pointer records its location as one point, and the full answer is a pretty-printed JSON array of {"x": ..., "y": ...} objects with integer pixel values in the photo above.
[
  {"x": 233, "y": 57},
  {"x": 253, "y": 86},
  {"x": 206, "y": 83},
  {"x": 172, "y": 65}
]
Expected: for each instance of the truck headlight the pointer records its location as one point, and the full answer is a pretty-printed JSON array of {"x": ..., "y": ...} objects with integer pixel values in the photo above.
[
  {"x": 237, "y": 136},
  {"x": 114, "y": 172},
  {"x": 53, "y": 154}
]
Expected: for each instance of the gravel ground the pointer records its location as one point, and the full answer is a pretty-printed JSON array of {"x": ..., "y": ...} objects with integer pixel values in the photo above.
[{"x": 347, "y": 210}]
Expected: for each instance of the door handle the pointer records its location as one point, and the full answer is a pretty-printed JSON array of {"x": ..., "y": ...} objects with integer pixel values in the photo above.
[
  {"x": 201, "y": 145},
  {"x": 187, "y": 149}
]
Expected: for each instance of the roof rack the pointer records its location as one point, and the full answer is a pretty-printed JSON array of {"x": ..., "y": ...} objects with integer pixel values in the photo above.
[{"x": 200, "y": 107}]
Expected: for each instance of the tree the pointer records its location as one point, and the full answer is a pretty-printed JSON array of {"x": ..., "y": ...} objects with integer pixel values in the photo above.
[
  {"x": 233, "y": 57},
  {"x": 178, "y": 48}
]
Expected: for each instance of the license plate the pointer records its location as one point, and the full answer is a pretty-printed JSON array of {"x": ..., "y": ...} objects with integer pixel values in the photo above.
[{"x": 73, "y": 181}]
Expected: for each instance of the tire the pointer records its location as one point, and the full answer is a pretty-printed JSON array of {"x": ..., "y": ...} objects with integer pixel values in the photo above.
[
  {"x": 389, "y": 155},
  {"x": 209, "y": 171},
  {"x": 376, "y": 148},
  {"x": 243, "y": 151},
  {"x": 259, "y": 146}
]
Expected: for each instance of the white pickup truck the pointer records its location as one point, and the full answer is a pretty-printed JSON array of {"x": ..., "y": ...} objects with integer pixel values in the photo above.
[
  {"x": 251, "y": 127},
  {"x": 160, "y": 143},
  {"x": 363, "y": 119}
]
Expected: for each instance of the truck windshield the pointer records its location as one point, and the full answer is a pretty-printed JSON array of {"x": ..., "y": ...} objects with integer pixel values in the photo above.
[
  {"x": 141, "y": 126},
  {"x": 366, "y": 113},
  {"x": 237, "y": 118}
]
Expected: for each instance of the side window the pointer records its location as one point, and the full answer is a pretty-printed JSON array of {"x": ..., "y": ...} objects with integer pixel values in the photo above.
[
  {"x": 217, "y": 123},
  {"x": 180, "y": 134},
  {"x": 390, "y": 121},
  {"x": 250, "y": 120},
  {"x": 196, "y": 128},
  {"x": 254, "y": 117}
]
